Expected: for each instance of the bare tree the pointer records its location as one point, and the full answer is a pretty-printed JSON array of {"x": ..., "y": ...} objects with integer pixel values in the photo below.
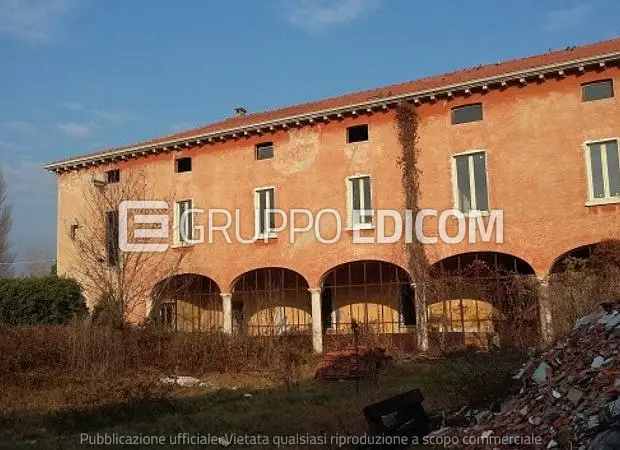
[
  {"x": 120, "y": 284},
  {"x": 6, "y": 257}
]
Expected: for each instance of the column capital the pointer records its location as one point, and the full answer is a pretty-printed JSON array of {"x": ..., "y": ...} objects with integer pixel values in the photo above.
[
  {"x": 225, "y": 295},
  {"x": 314, "y": 290}
]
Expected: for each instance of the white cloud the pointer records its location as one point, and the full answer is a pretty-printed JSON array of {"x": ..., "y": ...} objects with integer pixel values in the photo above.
[
  {"x": 12, "y": 147},
  {"x": 32, "y": 193},
  {"x": 74, "y": 106},
  {"x": 19, "y": 176},
  {"x": 21, "y": 127},
  {"x": 314, "y": 15},
  {"x": 110, "y": 117},
  {"x": 77, "y": 131},
  {"x": 34, "y": 20},
  {"x": 567, "y": 18}
]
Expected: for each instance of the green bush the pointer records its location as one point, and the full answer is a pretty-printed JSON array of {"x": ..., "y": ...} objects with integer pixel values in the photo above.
[{"x": 42, "y": 300}]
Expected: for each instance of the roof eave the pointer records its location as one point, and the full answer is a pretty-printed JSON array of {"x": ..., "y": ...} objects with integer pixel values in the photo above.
[{"x": 382, "y": 103}]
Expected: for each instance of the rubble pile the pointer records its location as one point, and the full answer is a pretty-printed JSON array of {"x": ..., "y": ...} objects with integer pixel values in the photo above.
[
  {"x": 352, "y": 363},
  {"x": 568, "y": 396}
]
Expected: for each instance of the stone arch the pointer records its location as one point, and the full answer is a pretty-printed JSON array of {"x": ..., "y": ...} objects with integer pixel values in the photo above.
[
  {"x": 573, "y": 257},
  {"x": 480, "y": 264},
  {"x": 482, "y": 298},
  {"x": 580, "y": 279},
  {"x": 271, "y": 301},
  {"x": 374, "y": 293},
  {"x": 187, "y": 302}
]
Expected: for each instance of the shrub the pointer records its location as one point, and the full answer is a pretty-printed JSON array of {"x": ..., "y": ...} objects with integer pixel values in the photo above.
[{"x": 45, "y": 300}]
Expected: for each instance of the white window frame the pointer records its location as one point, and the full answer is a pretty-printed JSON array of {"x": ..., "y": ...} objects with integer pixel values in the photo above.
[
  {"x": 350, "y": 224},
  {"x": 591, "y": 201},
  {"x": 472, "y": 182},
  {"x": 270, "y": 233},
  {"x": 176, "y": 241}
]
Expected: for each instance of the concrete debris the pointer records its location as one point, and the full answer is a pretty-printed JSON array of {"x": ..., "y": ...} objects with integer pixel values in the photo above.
[
  {"x": 597, "y": 363},
  {"x": 352, "y": 363},
  {"x": 543, "y": 373},
  {"x": 606, "y": 440},
  {"x": 570, "y": 395},
  {"x": 574, "y": 396},
  {"x": 535, "y": 420},
  {"x": 187, "y": 381}
]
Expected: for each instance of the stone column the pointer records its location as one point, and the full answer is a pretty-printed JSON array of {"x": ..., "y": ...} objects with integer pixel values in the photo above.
[
  {"x": 544, "y": 308},
  {"x": 227, "y": 310},
  {"x": 317, "y": 320},
  {"x": 421, "y": 316},
  {"x": 149, "y": 308}
]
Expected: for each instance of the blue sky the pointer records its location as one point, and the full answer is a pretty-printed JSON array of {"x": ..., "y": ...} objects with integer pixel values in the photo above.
[{"x": 79, "y": 75}]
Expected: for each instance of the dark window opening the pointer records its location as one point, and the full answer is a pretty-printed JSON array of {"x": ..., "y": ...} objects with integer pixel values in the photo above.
[
  {"x": 184, "y": 165},
  {"x": 264, "y": 150},
  {"x": 357, "y": 133},
  {"x": 113, "y": 176},
  {"x": 111, "y": 229},
  {"x": 73, "y": 231},
  {"x": 467, "y": 113},
  {"x": 597, "y": 90},
  {"x": 407, "y": 305},
  {"x": 326, "y": 308}
]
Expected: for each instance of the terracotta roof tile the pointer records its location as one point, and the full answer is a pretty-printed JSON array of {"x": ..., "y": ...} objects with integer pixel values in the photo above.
[{"x": 411, "y": 87}]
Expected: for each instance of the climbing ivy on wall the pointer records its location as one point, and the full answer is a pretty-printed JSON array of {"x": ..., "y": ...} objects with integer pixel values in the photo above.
[{"x": 407, "y": 126}]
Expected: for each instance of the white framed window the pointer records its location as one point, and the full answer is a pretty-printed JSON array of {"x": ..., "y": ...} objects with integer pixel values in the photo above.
[
  {"x": 183, "y": 229},
  {"x": 264, "y": 204},
  {"x": 471, "y": 192},
  {"x": 359, "y": 201},
  {"x": 603, "y": 171}
]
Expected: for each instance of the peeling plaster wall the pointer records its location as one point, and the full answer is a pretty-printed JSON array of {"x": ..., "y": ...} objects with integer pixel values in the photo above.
[{"x": 533, "y": 136}]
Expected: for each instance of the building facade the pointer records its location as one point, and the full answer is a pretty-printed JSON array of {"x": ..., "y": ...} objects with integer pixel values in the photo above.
[{"x": 536, "y": 138}]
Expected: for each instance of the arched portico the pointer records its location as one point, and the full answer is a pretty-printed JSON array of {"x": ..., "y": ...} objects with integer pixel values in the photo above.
[
  {"x": 582, "y": 278},
  {"x": 270, "y": 301},
  {"x": 372, "y": 293},
  {"x": 187, "y": 302},
  {"x": 482, "y": 298}
]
